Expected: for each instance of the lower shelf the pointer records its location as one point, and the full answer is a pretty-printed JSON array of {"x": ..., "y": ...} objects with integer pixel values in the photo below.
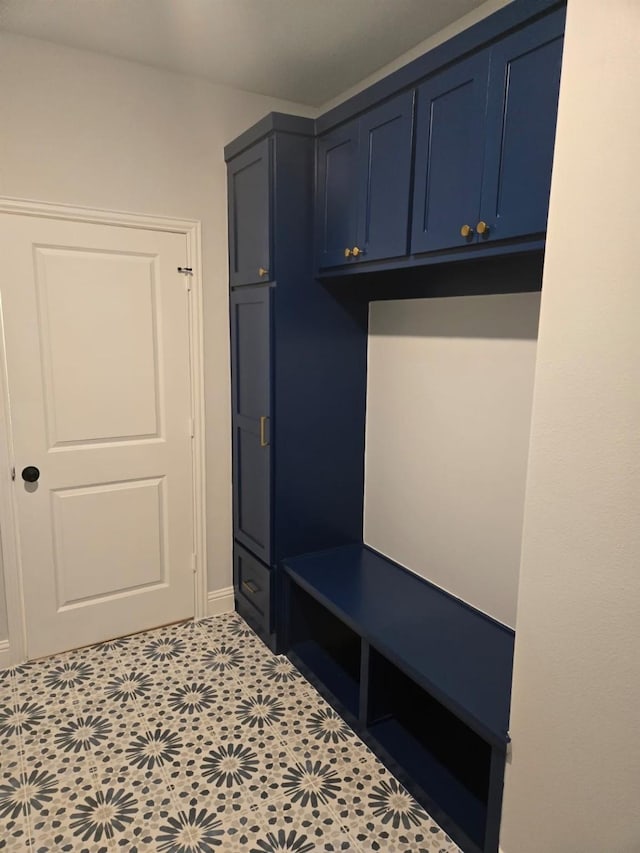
[
  {"x": 337, "y": 680},
  {"x": 452, "y": 798}
]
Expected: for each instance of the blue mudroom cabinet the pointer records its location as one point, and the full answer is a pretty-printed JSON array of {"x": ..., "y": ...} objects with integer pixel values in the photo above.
[
  {"x": 364, "y": 175},
  {"x": 455, "y": 160},
  {"x": 432, "y": 182},
  {"x": 449, "y": 154},
  {"x": 249, "y": 201},
  {"x": 298, "y": 373},
  {"x": 485, "y": 131}
]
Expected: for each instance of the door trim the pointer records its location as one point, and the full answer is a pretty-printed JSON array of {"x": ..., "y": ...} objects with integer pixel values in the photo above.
[{"x": 8, "y": 515}]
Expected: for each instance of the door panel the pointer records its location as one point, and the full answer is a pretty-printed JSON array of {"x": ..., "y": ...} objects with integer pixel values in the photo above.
[
  {"x": 449, "y": 154},
  {"x": 252, "y": 515},
  {"x": 251, "y": 400},
  {"x": 249, "y": 178},
  {"x": 385, "y": 179},
  {"x": 86, "y": 301},
  {"x": 336, "y": 199},
  {"x": 127, "y": 554},
  {"x": 96, "y": 327},
  {"x": 251, "y": 362},
  {"x": 521, "y": 126}
]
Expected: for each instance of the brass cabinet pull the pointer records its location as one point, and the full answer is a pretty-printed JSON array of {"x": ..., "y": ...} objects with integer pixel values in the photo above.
[
  {"x": 482, "y": 227},
  {"x": 262, "y": 272},
  {"x": 356, "y": 251},
  {"x": 466, "y": 231},
  {"x": 250, "y": 587},
  {"x": 263, "y": 423},
  {"x": 347, "y": 253}
]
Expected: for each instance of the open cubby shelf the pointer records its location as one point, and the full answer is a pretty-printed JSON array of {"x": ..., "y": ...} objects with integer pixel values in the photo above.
[
  {"x": 423, "y": 677},
  {"x": 327, "y": 647}
]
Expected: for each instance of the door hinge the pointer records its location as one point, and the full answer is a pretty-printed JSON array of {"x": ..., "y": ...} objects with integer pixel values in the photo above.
[
  {"x": 194, "y": 563},
  {"x": 187, "y": 272},
  {"x": 13, "y": 474}
]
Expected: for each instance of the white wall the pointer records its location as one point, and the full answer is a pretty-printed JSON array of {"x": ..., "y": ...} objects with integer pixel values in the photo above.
[
  {"x": 574, "y": 784},
  {"x": 450, "y": 383},
  {"x": 83, "y": 129}
]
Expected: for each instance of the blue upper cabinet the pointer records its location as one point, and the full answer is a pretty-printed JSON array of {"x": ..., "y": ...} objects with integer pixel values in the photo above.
[
  {"x": 520, "y": 130},
  {"x": 251, "y": 417},
  {"x": 249, "y": 183},
  {"x": 484, "y": 142},
  {"x": 336, "y": 203},
  {"x": 364, "y": 179},
  {"x": 384, "y": 180},
  {"x": 449, "y": 155}
]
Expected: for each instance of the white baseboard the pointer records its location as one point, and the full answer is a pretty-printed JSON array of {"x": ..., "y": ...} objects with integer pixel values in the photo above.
[
  {"x": 5, "y": 654},
  {"x": 220, "y": 601}
]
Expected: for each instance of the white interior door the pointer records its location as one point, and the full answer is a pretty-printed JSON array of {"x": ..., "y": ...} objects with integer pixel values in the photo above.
[{"x": 96, "y": 326}]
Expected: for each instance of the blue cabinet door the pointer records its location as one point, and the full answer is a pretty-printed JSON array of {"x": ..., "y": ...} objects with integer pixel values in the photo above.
[
  {"x": 251, "y": 418},
  {"x": 384, "y": 179},
  {"x": 520, "y": 130},
  {"x": 248, "y": 186},
  {"x": 336, "y": 198},
  {"x": 449, "y": 154}
]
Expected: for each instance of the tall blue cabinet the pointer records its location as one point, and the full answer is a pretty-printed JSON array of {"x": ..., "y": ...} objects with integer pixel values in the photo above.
[{"x": 298, "y": 372}]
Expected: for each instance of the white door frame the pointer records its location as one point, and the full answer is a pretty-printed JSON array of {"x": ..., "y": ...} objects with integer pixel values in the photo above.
[{"x": 16, "y": 651}]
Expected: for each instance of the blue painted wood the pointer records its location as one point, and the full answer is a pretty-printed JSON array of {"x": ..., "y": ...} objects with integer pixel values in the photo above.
[
  {"x": 337, "y": 681},
  {"x": 308, "y": 375},
  {"x": 254, "y": 592},
  {"x": 424, "y": 656},
  {"x": 336, "y": 194},
  {"x": 496, "y": 785},
  {"x": 384, "y": 179},
  {"x": 320, "y": 374},
  {"x": 268, "y": 126},
  {"x": 251, "y": 401},
  {"x": 364, "y": 182},
  {"x": 368, "y": 734},
  {"x": 511, "y": 16},
  {"x": 520, "y": 129},
  {"x": 417, "y": 266},
  {"x": 462, "y": 657},
  {"x": 449, "y": 154},
  {"x": 461, "y": 805},
  {"x": 249, "y": 201}
]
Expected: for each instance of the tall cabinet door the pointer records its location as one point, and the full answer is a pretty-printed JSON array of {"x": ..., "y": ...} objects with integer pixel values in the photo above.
[
  {"x": 384, "y": 178},
  {"x": 521, "y": 128},
  {"x": 336, "y": 194},
  {"x": 449, "y": 154},
  {"x": 251, "y": 418},
  {"x": 249, "y": 182}
]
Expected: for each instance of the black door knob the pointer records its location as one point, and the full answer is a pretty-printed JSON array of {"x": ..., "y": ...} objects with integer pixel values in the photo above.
[{"x": 30, "y": 474}]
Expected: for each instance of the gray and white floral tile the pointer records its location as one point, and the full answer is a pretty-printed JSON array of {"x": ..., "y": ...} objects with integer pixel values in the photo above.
[
  {"x": 286, "y": 826},
  {"x": 193, "y": 738}
]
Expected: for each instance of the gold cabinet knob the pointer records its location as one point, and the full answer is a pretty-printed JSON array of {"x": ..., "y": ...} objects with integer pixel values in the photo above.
[
  {"x": 466, "y": 231},
  {"x": 347, "y": 253},
  {"x": 262, "y": 272},
  {"x": 356, "y": 251},
  {"x": 482, "y": 227}
]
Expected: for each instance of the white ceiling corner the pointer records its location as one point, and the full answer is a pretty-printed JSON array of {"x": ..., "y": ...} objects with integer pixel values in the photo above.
[{"x": 307, "y": 51}]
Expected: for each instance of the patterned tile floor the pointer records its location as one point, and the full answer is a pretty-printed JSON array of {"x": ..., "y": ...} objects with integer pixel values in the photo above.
[{"x": 190, "y": 739}]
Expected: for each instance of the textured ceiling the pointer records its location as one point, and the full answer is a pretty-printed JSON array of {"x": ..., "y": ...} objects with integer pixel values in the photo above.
[{"x": 302, "y": 50}]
